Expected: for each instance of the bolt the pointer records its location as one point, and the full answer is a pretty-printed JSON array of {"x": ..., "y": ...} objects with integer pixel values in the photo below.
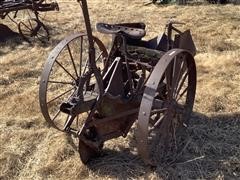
[{"x": 144, "y": 113}]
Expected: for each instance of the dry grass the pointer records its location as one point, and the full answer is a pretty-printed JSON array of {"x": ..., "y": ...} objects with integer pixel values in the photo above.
[{"x": 29, "y": 149}]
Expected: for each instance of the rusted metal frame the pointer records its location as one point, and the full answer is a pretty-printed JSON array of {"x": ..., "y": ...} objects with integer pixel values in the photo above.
[
  {"x": 82, "y": 105},
  {"x": 140, "y": 63},
  {"x": 123, "y": 50},
  {"x": 85, "y": 12},
  {"x": 129, "y": 58},
  {"x": 59, "y": 111},
  {"x": 91, "y": 48},
  {"x": 111, "y": 56},
  {"x": 111, "y": 135},
  {"x": 177, "y": 30},
  {"x": 36, "y": 7},
  {"x": 46, "y": 7},
  {"x": 79, "y": 109},
  {"x": 149, "y": 93},
  {"x": 115, "y": 86},
  {"x": 169, "y": 34},
  {"x": 21, "y": 7},
  {"x": 90, "y": 143},
  {"x": 144, "y": 67},
  {"x": 170, "y": 28},
  {"x": 139, "y": 93},
  {"x": 116, "y": 119},
  {"x": 117, "y": 116}
]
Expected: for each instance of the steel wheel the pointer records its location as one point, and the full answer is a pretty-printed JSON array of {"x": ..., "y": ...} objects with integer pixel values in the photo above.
[
  {"x": 66, "y": 67},
  {"x": 31, "y": 29},
  {"x": 167, "y": 103}
]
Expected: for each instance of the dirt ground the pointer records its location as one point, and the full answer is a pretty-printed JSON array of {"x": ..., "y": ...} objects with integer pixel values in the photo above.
[{"x": 30, "y": 149}]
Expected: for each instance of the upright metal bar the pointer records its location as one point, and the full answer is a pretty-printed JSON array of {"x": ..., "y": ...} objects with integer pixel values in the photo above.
[
  {"x": 89, "y": 31},
  {"x": 91, "y": 54}
]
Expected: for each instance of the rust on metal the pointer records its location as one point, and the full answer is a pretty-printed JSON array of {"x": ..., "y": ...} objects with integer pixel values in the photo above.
[
  {"x": 32, "y": 27},
  {"x": 98, "y": 95}
]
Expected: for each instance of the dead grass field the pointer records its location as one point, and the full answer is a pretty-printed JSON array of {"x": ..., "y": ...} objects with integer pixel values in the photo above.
[{"x": 29, "y": 149}]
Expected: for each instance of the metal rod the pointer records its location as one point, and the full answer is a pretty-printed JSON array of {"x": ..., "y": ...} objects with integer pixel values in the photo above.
[{"x": 88, "y": 27}]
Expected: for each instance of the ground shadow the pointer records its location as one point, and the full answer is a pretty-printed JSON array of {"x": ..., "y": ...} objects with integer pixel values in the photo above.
[
  {"x": 8, "y": 38},
  {"x": 12, "y": 40},
  {"x": 213, "y": 152}
]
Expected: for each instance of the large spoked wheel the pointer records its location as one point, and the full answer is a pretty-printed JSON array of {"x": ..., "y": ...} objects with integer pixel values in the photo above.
[
  {"x": 31, "y": 29},
  {"x": 66, "y": 67},
  {"x": 166, "y": 105}
]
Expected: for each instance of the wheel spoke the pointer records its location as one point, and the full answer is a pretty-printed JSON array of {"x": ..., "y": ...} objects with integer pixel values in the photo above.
[
  {"x": 181, "y": 74},
  {"x": 181, "y": 95},
  {"x": 39, "y": 38},
  {"x": 28, "y": 13},
  {"x": 25, "y": 31},
  {"x": 65, "y": 70},
  {"x": 181, "y": 84},
  {"x": 77, "y": 121},
  {"x": 60, "y": 95},
  {"x": 157, "y": 124},
  {"x": 168, "y": 82},
  {"x": 26, "y": 26},
  {"x": 176, "y": 73},
  {"x": 155, "y": 111},
  {"x": 71, "y": 57},
  {"x": 85, "y": 67},
  {"x": 39, "y": 34},
  {"x": 67, "y": 119},
  {"x": 29, "y": 22},
  {"x": 60, "y": 82},
  {"x": 183, "y": 69},
  {"x": 81, "y": 51},
  {"x": 56, "y": 115},
  {"x": 98, "y": 57}
]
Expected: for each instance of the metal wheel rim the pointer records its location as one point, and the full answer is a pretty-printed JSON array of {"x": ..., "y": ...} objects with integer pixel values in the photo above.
[
  {"x": 47, "y": 70},
  {"x": 29, "y": 36},
  {"x": 148, "y": 98}
]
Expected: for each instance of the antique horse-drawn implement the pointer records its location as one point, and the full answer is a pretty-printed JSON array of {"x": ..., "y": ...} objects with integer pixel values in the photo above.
[
  {"x": 97, "y": 96},
  {"x": 32, "y": 27}
]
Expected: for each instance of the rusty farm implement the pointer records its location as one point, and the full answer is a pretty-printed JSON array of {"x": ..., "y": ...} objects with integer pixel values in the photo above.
[
  {"x": 30, "y": 25},
  {"x": 98, "y": 95}
]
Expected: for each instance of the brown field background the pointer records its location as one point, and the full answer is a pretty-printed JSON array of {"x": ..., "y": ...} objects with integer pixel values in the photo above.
[{"x": 29, "y": 149}]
